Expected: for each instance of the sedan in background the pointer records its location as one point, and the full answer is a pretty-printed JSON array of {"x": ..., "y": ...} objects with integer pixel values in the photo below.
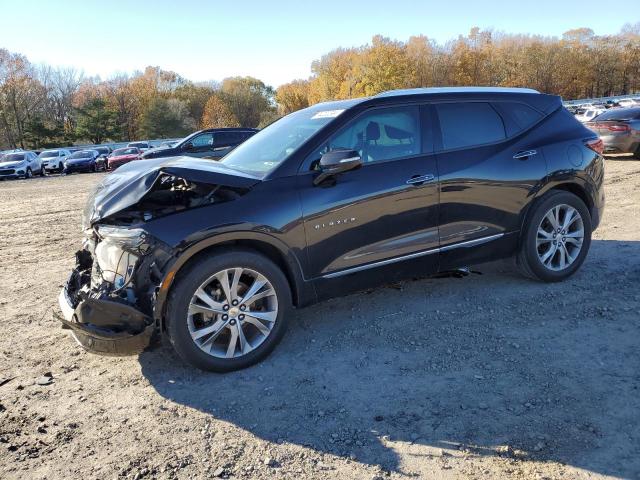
[
  {"x": 53, "y": 160},
  {"x": 213, "y": 143},
  {"x": 84, "y": 161},
  {"x": 619, "y": 130},
  {"x": 20, "y": 165},
  {"x": 121, "y": 156}
]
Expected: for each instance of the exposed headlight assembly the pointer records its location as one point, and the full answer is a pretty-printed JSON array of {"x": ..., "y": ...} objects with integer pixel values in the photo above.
[{"x": 132, "y": 238}]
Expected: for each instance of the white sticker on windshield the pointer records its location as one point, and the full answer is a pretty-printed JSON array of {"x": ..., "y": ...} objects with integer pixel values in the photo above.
[{"x": 327, "y": 114}]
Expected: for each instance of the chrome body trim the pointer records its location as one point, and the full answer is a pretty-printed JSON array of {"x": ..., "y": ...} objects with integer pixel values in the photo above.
[{"x": 389, "y": 261}]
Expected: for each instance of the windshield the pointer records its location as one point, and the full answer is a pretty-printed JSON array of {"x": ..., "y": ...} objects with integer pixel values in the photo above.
[
  {"x": 49, "y": 154},
  {"x": 138, "y": 144},
  {"x": 270, "y": 147},
  {"x": 84, "y": 154},
  {"x": 13, "y": 157},
  {"x": 124, "y": 151}
]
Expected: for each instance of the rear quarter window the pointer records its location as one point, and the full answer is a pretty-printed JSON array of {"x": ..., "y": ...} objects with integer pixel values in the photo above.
[
  {"x": 517, "y": 116},
  {"x": 466, "y": 124}
]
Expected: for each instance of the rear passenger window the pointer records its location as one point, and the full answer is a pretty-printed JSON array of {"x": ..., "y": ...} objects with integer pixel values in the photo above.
[
  {"x": 517, "y": 116},
  {"x": 471, "y": 123}
]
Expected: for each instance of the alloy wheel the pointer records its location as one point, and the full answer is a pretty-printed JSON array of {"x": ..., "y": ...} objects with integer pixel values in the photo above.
[
  {"x": 232, "y": 312},
  {"x": 559, "y": 237}
]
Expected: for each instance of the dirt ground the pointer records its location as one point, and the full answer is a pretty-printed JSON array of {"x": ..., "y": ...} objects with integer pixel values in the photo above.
[{"x": 489, "y": 376}]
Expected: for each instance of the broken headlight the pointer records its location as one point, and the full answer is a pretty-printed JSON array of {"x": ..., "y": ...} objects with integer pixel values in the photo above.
[{"x": 123, "y": 237}]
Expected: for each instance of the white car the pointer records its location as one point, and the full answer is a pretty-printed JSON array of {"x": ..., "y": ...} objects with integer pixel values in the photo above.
[
  {"x": 627, "y": 102},
  {"x": 53, "y": 160},
  {"x": 589, "y": 114}
]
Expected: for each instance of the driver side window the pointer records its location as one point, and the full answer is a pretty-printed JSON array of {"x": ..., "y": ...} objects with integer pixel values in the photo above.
[
  {"x": 203, "y": 141},
  {"x": 379, "y": 135}
]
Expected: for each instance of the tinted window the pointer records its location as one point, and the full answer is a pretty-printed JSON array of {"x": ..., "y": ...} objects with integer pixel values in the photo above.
[
  {"x": 466, "y": 124},
  {"x": 381, "y": 134},
  {"x": 225, "y": 139},
  {"x": 517, "y": 116},
  {"x": 14, "y": 157}
]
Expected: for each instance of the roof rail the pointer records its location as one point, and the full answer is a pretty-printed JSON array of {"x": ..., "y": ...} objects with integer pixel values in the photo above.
[{"x": 437, "y": 90}]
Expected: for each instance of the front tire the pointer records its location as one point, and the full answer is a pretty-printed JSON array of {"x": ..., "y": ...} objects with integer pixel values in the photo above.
[
  {"x": 228, "y": 311},
  {"x": 556, "y": 239},
  {"x": 28, "y": 174}
]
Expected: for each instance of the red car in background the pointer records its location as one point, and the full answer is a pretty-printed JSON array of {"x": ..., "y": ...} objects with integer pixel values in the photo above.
[{"x": 121, "y": 156}]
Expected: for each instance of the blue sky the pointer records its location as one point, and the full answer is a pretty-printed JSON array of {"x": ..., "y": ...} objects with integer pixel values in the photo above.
[{"x": 275, "y": 41}]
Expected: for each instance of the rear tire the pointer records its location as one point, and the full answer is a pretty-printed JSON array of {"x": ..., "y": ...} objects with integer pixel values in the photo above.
[
  {"x": 189, "y": 317},
  {"x": 556, "y": 239}
]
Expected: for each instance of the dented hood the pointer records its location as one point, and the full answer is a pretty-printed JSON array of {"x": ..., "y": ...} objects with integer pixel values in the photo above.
[{"x": 132, "y": 181}]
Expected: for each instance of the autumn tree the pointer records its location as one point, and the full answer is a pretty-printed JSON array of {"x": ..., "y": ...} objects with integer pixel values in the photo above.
[
  {"x": 217, "y": 114},
  {"x": 247, "y": 98},
  {"x": 292, "y": 96}
]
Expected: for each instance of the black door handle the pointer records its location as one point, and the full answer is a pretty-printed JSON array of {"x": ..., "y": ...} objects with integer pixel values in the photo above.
[{"x": 420, "y": 179}]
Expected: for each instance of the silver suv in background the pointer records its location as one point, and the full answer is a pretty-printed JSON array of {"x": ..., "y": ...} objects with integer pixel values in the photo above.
[
  {"x": 20, "y": 164},
  {"x": 53, "y": 160}
]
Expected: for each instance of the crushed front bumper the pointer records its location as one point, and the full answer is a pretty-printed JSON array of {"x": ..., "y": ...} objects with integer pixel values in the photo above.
[{"x": 106, "y": 327}]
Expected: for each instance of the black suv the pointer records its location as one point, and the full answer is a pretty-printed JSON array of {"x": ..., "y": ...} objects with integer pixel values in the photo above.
[
  {"x": 334, "y": 198},
  {"x": 213, "y": 143}
]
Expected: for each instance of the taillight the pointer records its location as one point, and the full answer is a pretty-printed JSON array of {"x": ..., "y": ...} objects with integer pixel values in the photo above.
[
  {"x": 596, "y": 144},
  {"x": 619, "y": 128}
]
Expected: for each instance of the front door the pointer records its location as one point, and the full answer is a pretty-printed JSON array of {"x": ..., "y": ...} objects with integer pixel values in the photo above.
[
  {"x": 202, "y": 146},
  {"x": 380, "y": 222}
]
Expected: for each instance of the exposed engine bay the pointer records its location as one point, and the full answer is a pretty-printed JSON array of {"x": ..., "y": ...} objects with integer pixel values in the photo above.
[{"x": 172, "y": 194}]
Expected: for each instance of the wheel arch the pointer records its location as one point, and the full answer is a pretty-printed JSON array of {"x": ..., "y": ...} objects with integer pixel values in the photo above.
[
  {"x": 302, "y": 292},
  {"x": 572, "y": 187}
]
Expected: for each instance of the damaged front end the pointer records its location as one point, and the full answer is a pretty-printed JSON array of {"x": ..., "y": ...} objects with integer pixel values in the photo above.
[{"x": 109, "y": 300}]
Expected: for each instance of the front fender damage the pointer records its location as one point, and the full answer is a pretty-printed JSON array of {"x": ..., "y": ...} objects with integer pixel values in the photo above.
[{"x": 109, "y": 300}]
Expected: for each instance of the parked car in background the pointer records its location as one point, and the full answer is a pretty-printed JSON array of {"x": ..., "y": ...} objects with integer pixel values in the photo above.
[
  {"x": 337, "y": 197},
  {"x": 619, "y": 130},
  {"x": 84, "y": 161},
  {"x": 144, "y": 146},
  {"x": 20, "y": 164},
  {"x": 53, "y": 160},
  {"x": 169, "y": 143},
  {"x": 120, "y": 156},
  {"x": 213, "y": 143},
  {"x": 627, "y": 102},
  {"x": 589, "y": 114},
  {"x": 104, "y": 151}
]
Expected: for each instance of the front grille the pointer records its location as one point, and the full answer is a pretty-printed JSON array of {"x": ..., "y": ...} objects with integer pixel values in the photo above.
[{"x": 9, "y": 171}]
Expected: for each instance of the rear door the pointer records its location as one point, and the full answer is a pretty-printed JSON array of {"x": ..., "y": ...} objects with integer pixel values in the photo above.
[
  {"x": 224, "y": 142},
  {"x": 379, "y": 222},
  {"x": 488, "y": 167}
]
